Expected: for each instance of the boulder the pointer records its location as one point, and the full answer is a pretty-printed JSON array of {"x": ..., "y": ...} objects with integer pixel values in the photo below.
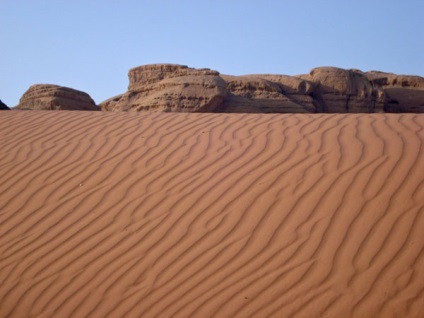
[
  {"x": 169, "y": 87},
  {"x": 3, "y": 106},
  {"x": 55, "y": 97}
]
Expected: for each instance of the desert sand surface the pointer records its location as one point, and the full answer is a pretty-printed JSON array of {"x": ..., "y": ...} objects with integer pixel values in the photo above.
[{"x": 108, "y": 214}]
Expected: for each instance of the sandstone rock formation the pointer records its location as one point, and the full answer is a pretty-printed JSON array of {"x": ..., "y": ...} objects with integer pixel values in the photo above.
[
  {"x": 169, "y": 87},
  {"x": 54, "y": 97},
  {"x": 338, "y": 90},
  {"x": 3, "y": 106},
  {"x": 177, "y": 88},
  {"x": 403, "y": 93},
  {"x": 266, "y": 94}
]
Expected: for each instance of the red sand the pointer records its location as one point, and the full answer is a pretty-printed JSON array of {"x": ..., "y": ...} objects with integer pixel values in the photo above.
[{"x": 211, "y": 215}]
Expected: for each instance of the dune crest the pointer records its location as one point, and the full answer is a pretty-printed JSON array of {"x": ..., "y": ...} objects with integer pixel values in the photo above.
[{"x": 108, "y": 214}]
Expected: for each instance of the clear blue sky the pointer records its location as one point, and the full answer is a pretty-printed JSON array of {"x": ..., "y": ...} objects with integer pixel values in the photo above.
[{"x": 90, "y": 45}]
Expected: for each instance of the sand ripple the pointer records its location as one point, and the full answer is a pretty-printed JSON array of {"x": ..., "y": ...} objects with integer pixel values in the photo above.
[{"x": 211, "y": 215}]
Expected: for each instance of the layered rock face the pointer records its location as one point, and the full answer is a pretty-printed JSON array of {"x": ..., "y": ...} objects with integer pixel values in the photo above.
[
  {"x": 169, "y": 87},
  {"x": 403, "y": 93},
  {"x": 178, "y": 88},
  {"x": 338, "y": 90},
  {"x": 267, "y": 94},
  {"x": 3, "y": 106},
  {"x": 54, "y": 97}
]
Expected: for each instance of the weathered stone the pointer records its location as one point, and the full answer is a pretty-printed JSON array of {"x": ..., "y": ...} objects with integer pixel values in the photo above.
[
  {"x": 170, "y": 87},
  {"x": 177, "y": 88},
  {"x": 116, "y": 103},
  {"x": 403, "y": 93},
  {"x": 253, "y": 93},
  {"x": 392, "y": 80},
  {"x": 141, "y": 76},
  {"x": 54, "y": 97},
  {"x": 344, "y": 91},
  {"x": 298, "y": 90}
]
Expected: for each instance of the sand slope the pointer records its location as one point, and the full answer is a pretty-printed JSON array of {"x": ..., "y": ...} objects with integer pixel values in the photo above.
[{"x": 211, "y": 215}]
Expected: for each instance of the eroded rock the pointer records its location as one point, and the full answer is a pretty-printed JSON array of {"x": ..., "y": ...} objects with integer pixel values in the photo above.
[
  {"x": 178, "y": 88},
  {"x": 264, "y": 94},
  {"x": 403, "y": 93},
  {"x": 55, "y": 97},
  {"x": 344, "y": 91},
  {"x": 169, "y": 88}
]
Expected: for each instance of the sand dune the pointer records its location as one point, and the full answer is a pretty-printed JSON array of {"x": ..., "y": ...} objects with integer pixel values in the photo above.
[{"x": 211, "y": 215}]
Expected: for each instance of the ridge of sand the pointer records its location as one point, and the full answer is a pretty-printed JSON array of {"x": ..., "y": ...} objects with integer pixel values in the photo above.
[{"x": 211, "y": 215}]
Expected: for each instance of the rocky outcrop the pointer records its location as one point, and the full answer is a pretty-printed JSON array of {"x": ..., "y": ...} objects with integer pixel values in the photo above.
[
  {"x": 178, "y": 88},
  {"x": 403, "y": 93},
  {"x": 3, "y": 106},
  {"x": 266, "y": 94},
  {"x": 54, "y": 97},
  {"x": 347, "y": 91},
  {"x": 169, "y": 88},
  {"x": 296, "y": 89}
]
